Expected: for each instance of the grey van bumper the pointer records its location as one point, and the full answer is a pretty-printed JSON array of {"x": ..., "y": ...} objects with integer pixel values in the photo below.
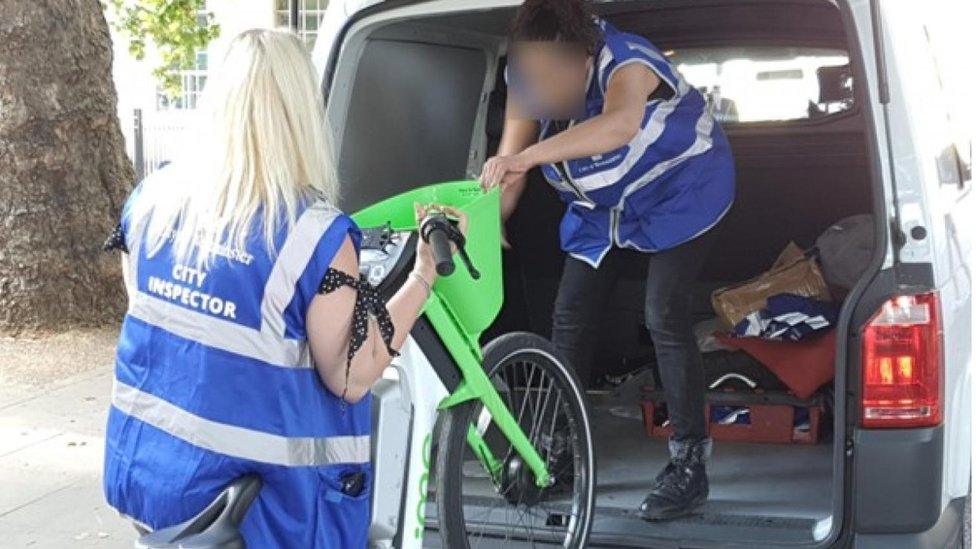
[
  {"x": 897, "y": 479},
  {"x": 947, "y": 532}
]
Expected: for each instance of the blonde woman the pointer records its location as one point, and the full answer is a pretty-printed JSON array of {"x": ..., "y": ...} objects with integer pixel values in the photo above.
[{"x": 250, "y": 346}]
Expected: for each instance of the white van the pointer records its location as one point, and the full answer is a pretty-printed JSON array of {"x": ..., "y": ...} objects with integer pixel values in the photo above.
[{"x": 415, "y": 96}]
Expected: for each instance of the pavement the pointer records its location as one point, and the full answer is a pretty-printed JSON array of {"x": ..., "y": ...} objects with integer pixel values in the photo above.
[{"x": 54, "y": 396}]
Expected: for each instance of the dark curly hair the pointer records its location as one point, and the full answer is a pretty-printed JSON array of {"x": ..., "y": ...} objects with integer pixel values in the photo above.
[{"x": 568, "y": 21}]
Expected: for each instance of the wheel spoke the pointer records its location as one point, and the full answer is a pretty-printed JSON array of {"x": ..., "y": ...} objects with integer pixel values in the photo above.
[
  {"x": 537, "y": 422},
  {"x": 547, "y": 409}
]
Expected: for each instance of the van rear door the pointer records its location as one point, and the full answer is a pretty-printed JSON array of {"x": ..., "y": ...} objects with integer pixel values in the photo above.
[
  {"x": 932, "y": 165},
  {"x": 928, "y": 272}
]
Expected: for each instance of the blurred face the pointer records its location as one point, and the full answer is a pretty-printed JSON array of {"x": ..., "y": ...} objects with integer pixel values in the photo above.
[{"x": 549, "y": 78}]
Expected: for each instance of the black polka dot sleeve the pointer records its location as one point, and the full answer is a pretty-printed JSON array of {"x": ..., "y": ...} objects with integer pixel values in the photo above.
[
  {"x": 115, "y": 240},
  {"x": 368, "y": 302}
]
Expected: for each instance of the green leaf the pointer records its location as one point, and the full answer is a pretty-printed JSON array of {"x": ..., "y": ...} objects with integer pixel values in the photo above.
[{"x": 173, "y": 28}]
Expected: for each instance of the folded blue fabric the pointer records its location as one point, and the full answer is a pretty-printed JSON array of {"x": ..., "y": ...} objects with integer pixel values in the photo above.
[{"x": 788, "y": 316}]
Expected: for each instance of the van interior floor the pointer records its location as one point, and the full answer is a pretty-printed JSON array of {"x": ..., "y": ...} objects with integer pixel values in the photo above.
[{"x": 760, "y": 494}]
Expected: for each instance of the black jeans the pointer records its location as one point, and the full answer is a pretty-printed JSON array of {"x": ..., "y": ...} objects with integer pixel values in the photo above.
[{"x": 583, "y": 294}]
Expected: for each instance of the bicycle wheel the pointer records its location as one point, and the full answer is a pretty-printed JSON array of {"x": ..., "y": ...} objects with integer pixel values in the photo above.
[{"x": 546, "y": 399}]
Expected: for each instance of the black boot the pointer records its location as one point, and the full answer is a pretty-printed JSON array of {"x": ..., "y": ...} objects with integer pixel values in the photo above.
[
  {"x": 668, "y": 469},
  {"x": 683, "y": 484}
]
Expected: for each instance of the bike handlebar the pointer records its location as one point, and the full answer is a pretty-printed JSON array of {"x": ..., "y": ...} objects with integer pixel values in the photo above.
[
  {"x": 435, "y": 234},
  {"x": 438, "y": 231}
]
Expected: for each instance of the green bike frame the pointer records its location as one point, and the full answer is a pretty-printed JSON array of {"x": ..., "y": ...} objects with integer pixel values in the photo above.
[{"x": 460, "y": 308}]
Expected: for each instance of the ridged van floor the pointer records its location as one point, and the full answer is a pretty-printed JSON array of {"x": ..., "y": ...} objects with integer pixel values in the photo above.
[{"x": 761, "y": 494}]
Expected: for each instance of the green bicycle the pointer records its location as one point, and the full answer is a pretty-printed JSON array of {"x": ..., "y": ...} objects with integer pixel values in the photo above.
[{"x": 514, "y": 451}]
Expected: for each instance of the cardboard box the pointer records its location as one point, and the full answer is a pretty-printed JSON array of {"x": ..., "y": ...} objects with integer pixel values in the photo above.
[{"x": 792, "y": 273}]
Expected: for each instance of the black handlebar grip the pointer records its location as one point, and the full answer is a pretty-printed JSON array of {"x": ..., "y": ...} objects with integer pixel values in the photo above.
[{"x": 440, "y": 246}]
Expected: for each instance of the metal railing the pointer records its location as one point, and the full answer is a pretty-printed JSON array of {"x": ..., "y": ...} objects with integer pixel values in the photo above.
[{"x": 156, "y": 137}]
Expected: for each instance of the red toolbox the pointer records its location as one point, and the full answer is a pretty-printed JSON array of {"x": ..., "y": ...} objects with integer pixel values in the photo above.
[{"x": 772, "y": 417}]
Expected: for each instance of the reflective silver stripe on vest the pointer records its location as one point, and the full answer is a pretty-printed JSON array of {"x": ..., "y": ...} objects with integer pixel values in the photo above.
[
  {"x": 238, "y": 442},
  {"x": 268, "y": 344},
  {"x": 638, "y": 147},
  {"x": 683, "y": 87},
  {"x": 291, "y": 262},
  {"x": 219, "y": 333},
  {"x": 703, "y": 142}
]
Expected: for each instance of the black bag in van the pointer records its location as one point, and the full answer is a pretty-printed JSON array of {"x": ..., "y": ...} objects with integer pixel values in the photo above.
[{"x": 845, "y": 250}]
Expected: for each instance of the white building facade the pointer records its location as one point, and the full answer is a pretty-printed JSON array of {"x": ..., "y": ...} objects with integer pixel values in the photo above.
[{"x": 153, "y": 122}]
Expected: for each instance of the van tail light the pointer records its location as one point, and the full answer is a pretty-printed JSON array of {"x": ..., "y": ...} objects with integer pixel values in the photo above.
[{"x": 902, "y": 364}]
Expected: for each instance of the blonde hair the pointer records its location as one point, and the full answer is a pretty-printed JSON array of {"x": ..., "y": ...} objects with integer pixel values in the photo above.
[{"x": 262, "y": 148}]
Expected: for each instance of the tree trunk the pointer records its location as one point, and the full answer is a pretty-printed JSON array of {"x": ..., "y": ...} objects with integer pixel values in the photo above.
[{"x": 64, "y": 173}]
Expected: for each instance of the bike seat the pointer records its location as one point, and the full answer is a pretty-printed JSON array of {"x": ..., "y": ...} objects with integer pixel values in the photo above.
[{"x": 216, "y": 527}]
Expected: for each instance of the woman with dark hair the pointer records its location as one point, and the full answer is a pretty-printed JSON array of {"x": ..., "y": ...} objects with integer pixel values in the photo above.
[{"x": 634, "y": 152}]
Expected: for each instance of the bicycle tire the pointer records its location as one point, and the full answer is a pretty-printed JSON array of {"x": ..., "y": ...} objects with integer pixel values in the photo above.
[{"x": 455, "y": 529}]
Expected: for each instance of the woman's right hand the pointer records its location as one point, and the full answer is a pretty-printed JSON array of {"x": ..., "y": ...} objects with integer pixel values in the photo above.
[
  {"x": 517, "y": 136},
  {"x": 425, "y": 265},
  {"x": 505, "y": 171}
]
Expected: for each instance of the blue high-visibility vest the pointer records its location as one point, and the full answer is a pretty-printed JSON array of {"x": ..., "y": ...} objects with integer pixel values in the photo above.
[
  {"x": 214, "y": 381},
  {"x": 672, "y": 182}
]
